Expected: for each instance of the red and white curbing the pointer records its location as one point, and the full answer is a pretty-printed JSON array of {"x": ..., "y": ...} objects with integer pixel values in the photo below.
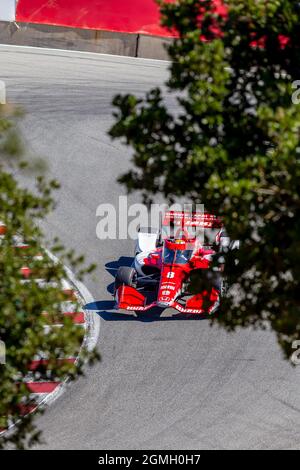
[
  {"x": 45, "y": 392},
  {"x": 86, "y": 319},
  {"x": 41, "y": 392}
]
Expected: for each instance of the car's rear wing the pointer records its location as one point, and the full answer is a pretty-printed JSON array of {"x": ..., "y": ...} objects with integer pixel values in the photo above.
[{"x": 192, "y": 219}]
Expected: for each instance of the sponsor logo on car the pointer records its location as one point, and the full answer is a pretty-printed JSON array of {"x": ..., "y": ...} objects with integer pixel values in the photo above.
[
  {"x": 187, "y": 310},
  {"x": 135, "y": 308}
]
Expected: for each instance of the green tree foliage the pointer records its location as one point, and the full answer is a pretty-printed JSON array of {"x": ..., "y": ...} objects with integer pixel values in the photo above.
[
  {"x": 233, "y": 145},
  {"x": 27, "y": 306}
]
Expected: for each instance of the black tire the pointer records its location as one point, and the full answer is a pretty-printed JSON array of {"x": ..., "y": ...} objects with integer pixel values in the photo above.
[{"x": 127, "y": 276}]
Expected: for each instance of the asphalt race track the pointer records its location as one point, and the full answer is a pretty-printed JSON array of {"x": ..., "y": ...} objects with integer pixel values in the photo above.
[{"x": 165, "y": 383}]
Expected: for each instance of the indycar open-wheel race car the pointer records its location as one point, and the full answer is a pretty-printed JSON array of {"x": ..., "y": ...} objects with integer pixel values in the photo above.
[{"x": 164, "y": 261}]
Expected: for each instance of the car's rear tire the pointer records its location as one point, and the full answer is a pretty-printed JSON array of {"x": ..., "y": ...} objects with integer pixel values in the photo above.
[{"x": 125, "y": 276}]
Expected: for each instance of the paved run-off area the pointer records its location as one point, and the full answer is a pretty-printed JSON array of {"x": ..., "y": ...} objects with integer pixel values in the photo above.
[{"x": 161, "y": 384}]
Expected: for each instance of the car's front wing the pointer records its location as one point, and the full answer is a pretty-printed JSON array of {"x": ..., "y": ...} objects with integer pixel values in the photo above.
[{"x": 128, "y": 298}]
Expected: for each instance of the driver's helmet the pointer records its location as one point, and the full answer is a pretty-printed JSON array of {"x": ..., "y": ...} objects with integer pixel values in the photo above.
[
  {"x": 175, "y": 243},
  {"x": 177, "y": 251},
  {"x": 179, "y": 241}
]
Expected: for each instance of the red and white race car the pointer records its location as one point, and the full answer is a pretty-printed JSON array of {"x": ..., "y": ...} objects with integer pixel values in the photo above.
[{"x": 164, "y": 260}]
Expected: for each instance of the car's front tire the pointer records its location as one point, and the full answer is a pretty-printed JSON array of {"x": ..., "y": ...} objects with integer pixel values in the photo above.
[{"x": 125, "y": 276}]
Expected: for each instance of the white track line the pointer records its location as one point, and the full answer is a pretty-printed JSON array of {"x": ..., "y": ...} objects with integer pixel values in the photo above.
[
  {"x": 97, "y": 54},
  {"x": 92, "y": 330},
  {"x": 92, "y": 319}
]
